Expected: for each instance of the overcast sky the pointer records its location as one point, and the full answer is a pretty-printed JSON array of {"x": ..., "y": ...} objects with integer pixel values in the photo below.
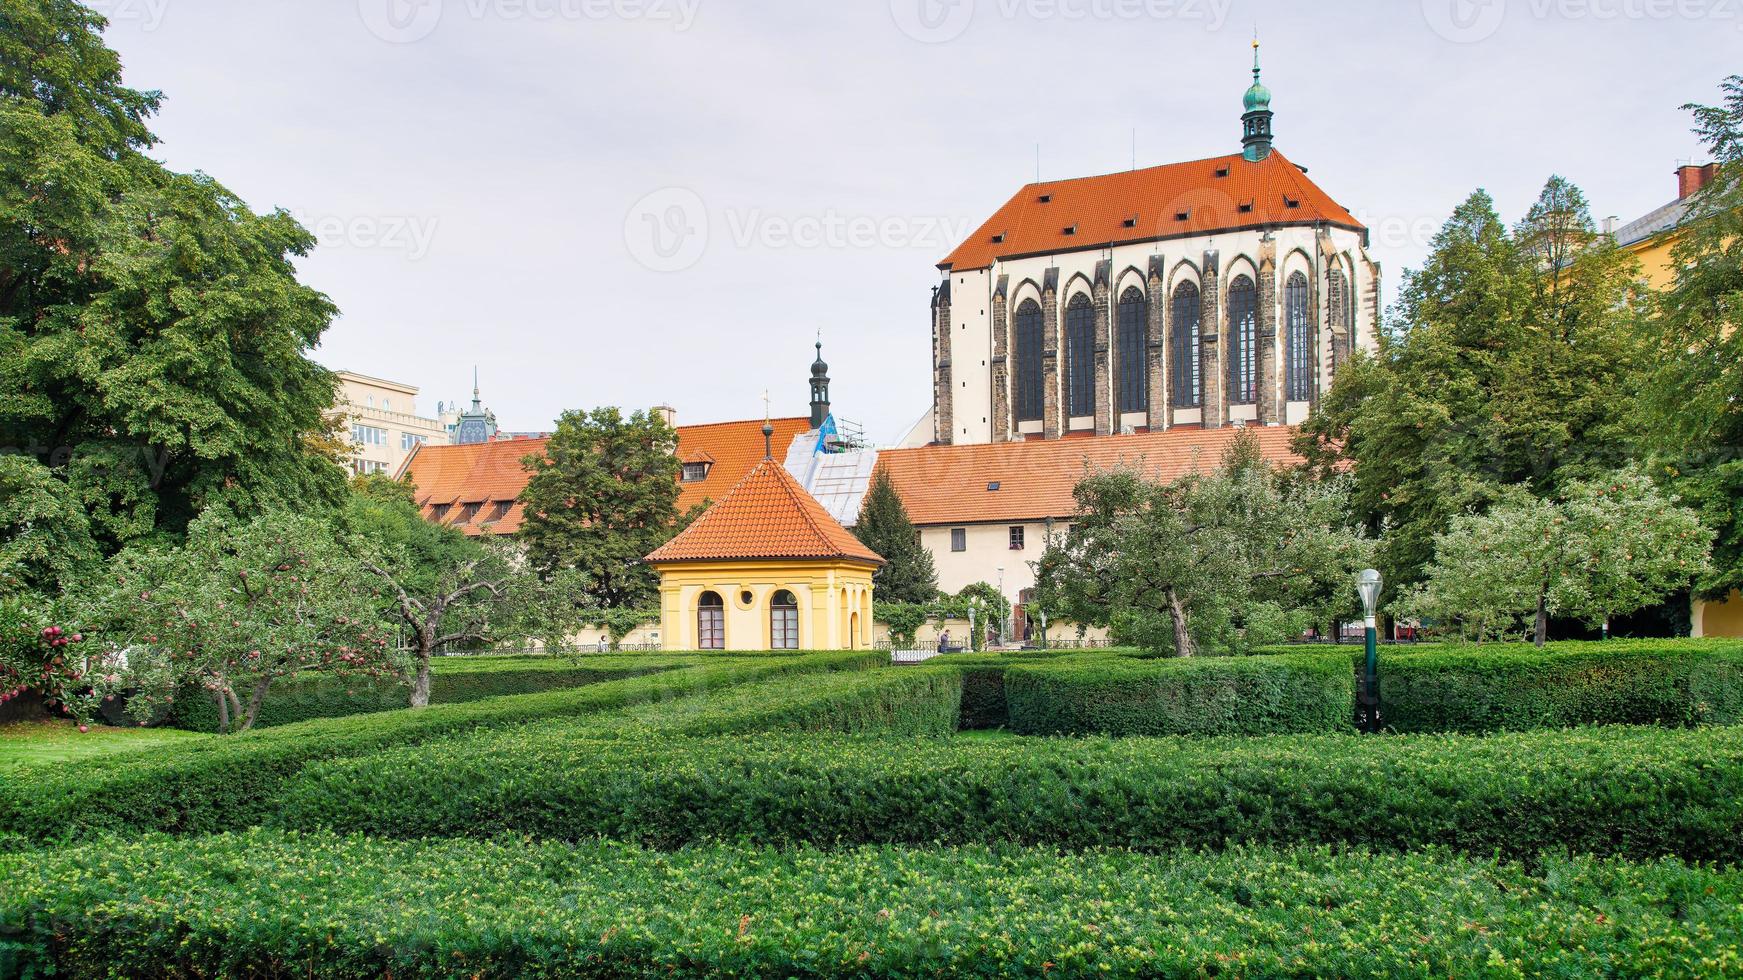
[{"x": 642, "y": 201}]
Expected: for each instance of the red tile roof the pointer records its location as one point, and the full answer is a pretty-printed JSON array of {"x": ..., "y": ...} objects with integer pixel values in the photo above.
[
  {"x": 489, "y": 473},
  {"x": 949, "y": 484},
  {"x": 767, "y": 516},
  {"x": 1152, "y": 200}
]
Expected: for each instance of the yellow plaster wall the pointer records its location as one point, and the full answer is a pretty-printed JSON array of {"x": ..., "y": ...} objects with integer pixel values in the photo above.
[
  {"x": 1719, "y": 618},
  {"x": 835, "y": 602}
]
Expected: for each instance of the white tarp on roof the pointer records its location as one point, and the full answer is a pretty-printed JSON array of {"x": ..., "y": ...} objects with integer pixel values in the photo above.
[{"x": 838, "y": 481}]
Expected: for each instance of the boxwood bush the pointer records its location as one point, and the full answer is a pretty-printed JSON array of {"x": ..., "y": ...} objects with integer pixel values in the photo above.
[
  {"x": 262, "y": 904},
  {"x": 909, "y": 701},
  {"x": 1639, "y": 792},
  {"x": 227, "y": 782},
  {"x": 1516, "y": 687},
  {"x": 1197, "y": 696},
  {"x": 454, "y": 680}
]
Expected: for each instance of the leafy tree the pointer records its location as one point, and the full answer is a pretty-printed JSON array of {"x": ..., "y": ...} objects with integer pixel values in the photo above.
[
  {"x": 152, "y": 329},
  {"x": 1509, "y": 360},
  {"x": 443, "y": 586},
  {"x": 904, "y": 620},
  {"x": 602, "y": 497},
  {"x": 39, "y": 654},
  {"x": 45, "y": 538},
  {"x": 1697, "y": 408},
  {"x": 1218, "y": 562},
  {"x": 236, "y": 608},
  {"x": 908, "y": 575},
  {"x": 1603, "y": 548}
]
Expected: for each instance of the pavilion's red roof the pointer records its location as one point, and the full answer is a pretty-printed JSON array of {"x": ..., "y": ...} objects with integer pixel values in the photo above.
[{"x": 767, "y": 516}]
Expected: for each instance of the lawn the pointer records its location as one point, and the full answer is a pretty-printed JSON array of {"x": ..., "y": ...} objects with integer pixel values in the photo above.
[{"x": 29, "y": 743}]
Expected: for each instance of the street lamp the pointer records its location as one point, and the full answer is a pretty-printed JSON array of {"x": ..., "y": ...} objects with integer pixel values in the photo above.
[
  {"x": 1368, "y": 586},
  {"x": 1001, "y": 624}
]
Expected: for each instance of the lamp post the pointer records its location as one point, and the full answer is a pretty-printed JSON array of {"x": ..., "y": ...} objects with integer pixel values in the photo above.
[
  {"x": 999, "y": 633},
  {"x": 1368, "y": 586},
  {"x": 973, "y": 605}
]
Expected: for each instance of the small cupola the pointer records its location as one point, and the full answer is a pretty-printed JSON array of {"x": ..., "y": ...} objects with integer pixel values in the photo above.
[{"x": 1256, "y": 119}]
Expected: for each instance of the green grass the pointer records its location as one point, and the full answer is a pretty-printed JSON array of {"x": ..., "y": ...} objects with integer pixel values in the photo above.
[{"x": 53, "y": 742}]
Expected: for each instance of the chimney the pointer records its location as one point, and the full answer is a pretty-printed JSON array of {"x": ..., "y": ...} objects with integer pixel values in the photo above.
[
  {"x": 1611, "y": 223},
  {"x": 668, "y": 413},
  {"x": 1691, "y": 178}
]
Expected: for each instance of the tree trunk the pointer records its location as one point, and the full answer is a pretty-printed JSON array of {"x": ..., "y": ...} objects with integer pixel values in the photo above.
[
  {"x": 421, "y": 682},
  {"x": 223, "y": 712},
  {"x": 260, "y": 688},
  {"x": 235, "y": 707},
  {"x": 1541, "y": 634},
  {"x": 1182, "y": 635}
]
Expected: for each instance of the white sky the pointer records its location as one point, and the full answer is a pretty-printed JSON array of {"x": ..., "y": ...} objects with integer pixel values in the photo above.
[{"x": 484, "y": 172}]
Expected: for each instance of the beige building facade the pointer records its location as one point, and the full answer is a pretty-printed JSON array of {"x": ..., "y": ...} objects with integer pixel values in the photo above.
[{"x": 382, "y": 423}]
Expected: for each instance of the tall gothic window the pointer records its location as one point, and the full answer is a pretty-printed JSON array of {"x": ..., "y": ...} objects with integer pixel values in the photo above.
[
  {"x": 1134, "y": 316},
  {"x": 1299, "y": 336},
  {"x": 1188, "y": 386},
  {"x": 1028, "y": 379},
  {"x": 1243, "y": 342},
  {"x": 1080, "y": 356},
  {"x": 711, "y": 622},
  {"x": 784, "y": 622}
]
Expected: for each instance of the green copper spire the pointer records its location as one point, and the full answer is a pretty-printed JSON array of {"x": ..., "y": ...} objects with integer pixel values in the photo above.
[{"x": 1256, "y": 122}]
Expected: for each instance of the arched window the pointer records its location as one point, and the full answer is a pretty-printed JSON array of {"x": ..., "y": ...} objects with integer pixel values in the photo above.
[
  {"x": 1028, "y": 380},
  {"x": 1080, "y": 356},
  {"x": 711, "y": 622},
  {"x": 1134, "y": 317},
  {"x": 1340, "y": 305},
  {"x": 1243, "y": 342},
  {"x": 1299, "y": 338},
  {"x": 1188, "y": 387},
  {"x": 784, "y": 621}
]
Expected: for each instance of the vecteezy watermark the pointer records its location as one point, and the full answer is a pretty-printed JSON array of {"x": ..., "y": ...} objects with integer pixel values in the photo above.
[
  {"x": 938, "y": 21},
  {"x": 1470, "y": 21},
  {"x": 409, "y": 234},
  {"x": 670, "y": 230},
  {"x": 406, "y": 21},
  {"x": 667, "y": 230},
  {"x": 148, "y": 14}
]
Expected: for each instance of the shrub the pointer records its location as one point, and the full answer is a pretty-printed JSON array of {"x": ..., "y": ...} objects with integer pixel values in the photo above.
[
  {"x": 1636, "y": 792},
  {"x": 1516, "y": 687},
  {"x": 1196, "y": 696},
  {"x": 263, "y": 904},
  {"x": 228, "y": 783},
  {"x": 902, "y": 702},
  {"x": 456, "y": 680}
]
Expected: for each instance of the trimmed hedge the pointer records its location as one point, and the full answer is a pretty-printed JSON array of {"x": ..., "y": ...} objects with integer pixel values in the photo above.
[
  {"x": 1516, "y": 687},
  {"x": 454, "y": 680},
  {"x": 229, "y": 782},
  {"x": 899, "y": 702},
  {"x": 261, "y": 904},
  {"x": 1635, "y": 792},
  {"x": 1197, "y": 696}
]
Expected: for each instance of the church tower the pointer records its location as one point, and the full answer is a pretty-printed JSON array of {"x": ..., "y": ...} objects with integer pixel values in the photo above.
[
  {"x": 819, "y": 389},
  {"x": 477, "y": 425},
  {"x": 1256, "y": 122}
]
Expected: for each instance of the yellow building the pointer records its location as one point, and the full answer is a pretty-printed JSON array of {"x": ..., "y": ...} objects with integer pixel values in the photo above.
[
  {"x": 766, "y": 568},
  {"x": 1650, "y": 239}
]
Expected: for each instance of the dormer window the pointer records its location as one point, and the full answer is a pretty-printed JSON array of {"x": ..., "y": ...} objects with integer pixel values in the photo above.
[
  {"x": 1222, "y": 171},
  {"x": 1183, "y": 215},
  {"x": 1069, "y": 230},
  {"x": 1130, "y": 223},
  {"x": 695, "y": 472},
  {"x": 1290, "y": 202},
  {"x": 1245, "y": 207},
  {"x": 439, "y": 513},
  {"x": 1046, "y": 199},
  {"x": 999, "y": 239},
  {"x": 469, "y": 512}
]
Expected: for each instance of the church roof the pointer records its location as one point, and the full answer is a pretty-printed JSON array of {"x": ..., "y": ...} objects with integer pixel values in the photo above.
[
  {"x": 489, "y": 473},
  {"x": 1225, "y": 193},
  {"x": 1032, "y": 481},
  {"x": 767, "y": 516}
]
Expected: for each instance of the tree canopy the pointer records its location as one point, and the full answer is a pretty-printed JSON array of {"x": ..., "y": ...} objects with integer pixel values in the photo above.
[
  {"x": 1510, "y": 359},
  {"x": 153, "y": 333},
  {"x": 603, "y": 495}
]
